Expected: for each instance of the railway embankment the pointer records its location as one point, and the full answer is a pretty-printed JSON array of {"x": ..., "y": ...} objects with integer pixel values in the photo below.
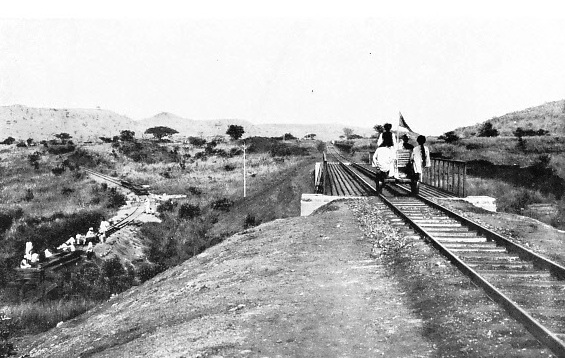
[
  {"x": 304, "y": 286},
  {"x": 332, "y": 284}
]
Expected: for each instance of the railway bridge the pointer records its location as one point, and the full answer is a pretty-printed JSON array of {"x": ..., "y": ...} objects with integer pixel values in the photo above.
[{"x": 525, "y": 284}]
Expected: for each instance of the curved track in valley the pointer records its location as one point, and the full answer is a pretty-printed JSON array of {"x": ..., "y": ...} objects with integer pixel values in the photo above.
[{"x": 529, "y": 287}]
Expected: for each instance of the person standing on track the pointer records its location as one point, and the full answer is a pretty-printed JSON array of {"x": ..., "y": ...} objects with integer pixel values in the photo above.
[
  {"x": 386, "y": 139},
  {"x": 420, "y": 160},
  {"x": 405, "y": 145},
  {"x": 383, "y": 161}
]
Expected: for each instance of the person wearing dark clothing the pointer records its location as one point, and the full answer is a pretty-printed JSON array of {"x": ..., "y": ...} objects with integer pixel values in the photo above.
[
  {"x": 405, "y": 145},
  {"x": 386, "y": 139}
]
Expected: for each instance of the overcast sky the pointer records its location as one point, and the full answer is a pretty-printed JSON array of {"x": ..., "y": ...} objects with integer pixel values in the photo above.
[{"x": 441, "y": 67}]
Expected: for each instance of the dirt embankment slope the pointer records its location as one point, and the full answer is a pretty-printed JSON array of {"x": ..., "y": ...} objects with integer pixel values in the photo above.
[{"x": 303, "y": 286}]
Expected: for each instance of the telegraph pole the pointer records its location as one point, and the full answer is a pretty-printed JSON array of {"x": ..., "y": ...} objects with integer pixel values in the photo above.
[{"x": 244, "y": 172}]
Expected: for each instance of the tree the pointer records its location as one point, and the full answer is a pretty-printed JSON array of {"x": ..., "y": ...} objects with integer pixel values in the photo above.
[
  {"x": 487, "y": 130},
  {"x": 288, "y": 136},
  {"x": 379, "y": 128},
  {"x": 310, "y": 136},
  {"x": 64, "y": 137},
  {"x": 29, "y": 142},
  {"x": 348, "y": 132},
  {"x": 9, "y": 140},
  {"x": 160, "y": 132},
  {"x": 519, "y": 132},
  {"x": 127, "y": 136},
  {"x": 449, "y": 137},
  {"x": 235, "y": 131}
]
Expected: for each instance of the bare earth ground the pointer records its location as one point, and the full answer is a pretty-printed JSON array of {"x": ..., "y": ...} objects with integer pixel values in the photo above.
[{"x": 293, "y": 287}]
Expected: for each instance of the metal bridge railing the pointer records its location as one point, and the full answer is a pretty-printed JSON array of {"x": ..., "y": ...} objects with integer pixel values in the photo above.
[{"x": 446, "y": 174}]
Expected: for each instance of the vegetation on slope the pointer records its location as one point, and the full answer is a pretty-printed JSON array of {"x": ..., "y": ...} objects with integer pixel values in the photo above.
[{"x": 46, "y": 207}]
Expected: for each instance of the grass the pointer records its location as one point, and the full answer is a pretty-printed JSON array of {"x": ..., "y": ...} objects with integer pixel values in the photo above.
[
  {"x": 30, "y": 318},
  {"x": 58, "y": 199}
]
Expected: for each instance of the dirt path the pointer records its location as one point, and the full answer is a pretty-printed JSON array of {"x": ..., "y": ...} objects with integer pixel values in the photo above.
[{"x": 294, "y": 287}]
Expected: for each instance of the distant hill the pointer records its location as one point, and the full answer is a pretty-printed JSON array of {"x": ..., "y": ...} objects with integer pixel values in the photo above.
[
  {"x": 23, "y": 122},
  {"x": 549, "y": 116},
  {"x": 191, "y": 127}
]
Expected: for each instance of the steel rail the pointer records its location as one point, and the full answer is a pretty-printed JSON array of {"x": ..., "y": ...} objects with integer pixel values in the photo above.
[
  {"x": 538, "y": 330},
  {"x": 541, "y": 333}
]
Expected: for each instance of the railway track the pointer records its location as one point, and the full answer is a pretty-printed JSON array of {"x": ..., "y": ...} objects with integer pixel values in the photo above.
[
  {"x": 529, "y": 287},
  {"x": 135, "y": 188},
  {"x": 62, "y": 260}
]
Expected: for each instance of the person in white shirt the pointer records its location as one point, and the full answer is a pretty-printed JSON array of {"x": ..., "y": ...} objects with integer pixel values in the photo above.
[
  {"x": 104, "y": 225},
  {"x": 90, "y": 235},
  {"x": 80, "y": 239},
  {"x": 383, "y": 161},
  {"x": 24, "y": 264},
  {"x": 420, "y": 160}
]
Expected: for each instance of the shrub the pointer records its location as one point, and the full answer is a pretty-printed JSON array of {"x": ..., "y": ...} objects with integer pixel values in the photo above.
[
  {"x": 115, "y": 198},
  {"x": 146, "y": 152},
  {"x": 189, "y": 211},
  {"x": 8, "y": 217},
  {"x": 61, "y": 149},
  {"x": 67, "y": 191},
  {"x": 29, "y": 195},
  {"x": 33, "y": 158},
  {"x": 6, "y": 347},
  {"x": 196, "y": 141},
  {"x": 58, "y": 170},
  {"x": 105, "y": 139},
  {"x": 166, "y": 206},
  {"x": 194, "y": 190},
  {"x": 200, "y": 155},
  {"x": 9, "y": 141},
  {"x": 250, "y": 221},
  {"x": 284, "y": 150},
  {"x": 145, "y": 271},
  {"x": 229, "y": 167},
  {"x": 449, "y": 137},
  {"x": 487, "y": 130},
  {"x": 127, "y": 136},
  {"x": 223, "y": 204},
  {"x": 220, "y": 153},
  {"x": 21, "y": 144}
]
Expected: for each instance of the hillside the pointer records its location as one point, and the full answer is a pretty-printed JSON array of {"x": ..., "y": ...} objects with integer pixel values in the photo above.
[
  {"x": 23, "y": 122},
  {"x": 191, "y": 127},
  {"x": 290, "y": 287},
  {"x": 549, "y": 116}
]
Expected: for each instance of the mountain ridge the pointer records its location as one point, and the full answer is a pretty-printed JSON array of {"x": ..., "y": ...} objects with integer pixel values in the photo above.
[
  {"x": 22, "y": 122},
  {"x": 549, "y": 116}
]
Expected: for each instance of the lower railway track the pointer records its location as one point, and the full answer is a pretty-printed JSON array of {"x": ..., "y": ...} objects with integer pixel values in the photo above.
[
  {"x": 529, "y": 287},
  {"x": 36, "y": 275}
]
